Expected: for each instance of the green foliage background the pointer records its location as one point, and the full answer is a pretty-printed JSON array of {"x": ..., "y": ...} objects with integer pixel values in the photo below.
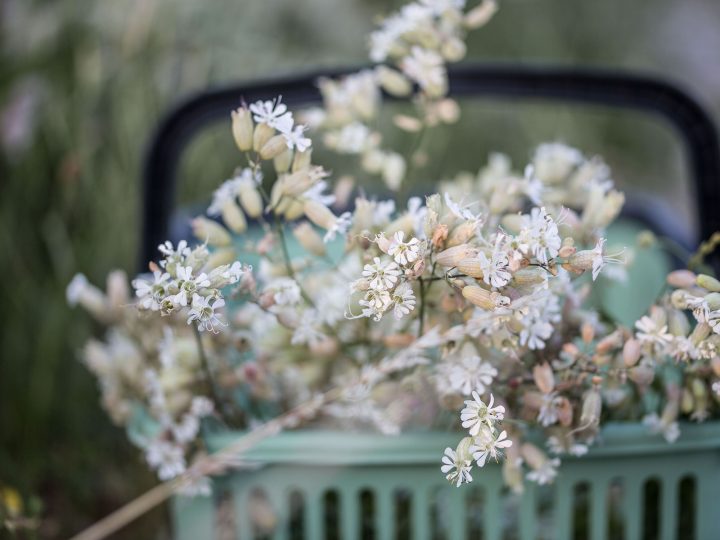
[{"x": 83, "y": 83}]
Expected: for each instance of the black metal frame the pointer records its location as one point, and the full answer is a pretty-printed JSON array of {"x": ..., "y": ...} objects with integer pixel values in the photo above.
[{"x": 571, "y": 85}]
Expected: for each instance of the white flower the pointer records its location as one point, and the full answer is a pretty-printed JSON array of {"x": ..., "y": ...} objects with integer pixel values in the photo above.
[
  {"x": 315, "y": 193},
  {"x": 151, "y": 293},
  {"x": 455, "y": 469},
  {"x": 188, "y": 285},
  {"x": 488, "y": 446},
  {"x": 548, "y": 414},
  {"x": 75, "y": 288},
  {"x": 651, "y": 332},
  {"x": 286, "y": 291},
  {"x": 174, "y": 255},
  {"x": 427, "y": 69},
  {"x": 546, "y": 473},
  {"x": 404, "y": 253},
  {"x": 296, "y": 139},
  {"x": 201, "y": 406},
  {"x": 307, "y": 331},
  {"x": 381, "y": 276},
  {"x": 375, "y": 303},
  {"x": 471, "y": 373},
  {"x": 459, "y": 211},
  {"x": 167, "y": 458},
  {"x": 203, "y": 311},
  {"x": 535, "y": 333},
  {"x": 477, "y": 414},
  {"x": 273, "y": 113},
  {"x": 558, "y": 447},
  {"x": 539, "y": 235},
  {"x": 495, "y": 269},
  {"x": 403, "y": 300},
  {"x": 340, "y": 226}
]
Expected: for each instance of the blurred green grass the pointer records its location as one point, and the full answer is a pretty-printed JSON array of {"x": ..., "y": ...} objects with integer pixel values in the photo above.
[{"x": 82, "y": 84}]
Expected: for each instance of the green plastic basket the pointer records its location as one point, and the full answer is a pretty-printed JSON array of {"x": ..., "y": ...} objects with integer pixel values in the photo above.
[{"x": 319, "y": 484}]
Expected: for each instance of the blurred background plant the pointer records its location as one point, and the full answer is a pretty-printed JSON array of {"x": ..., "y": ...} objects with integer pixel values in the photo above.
[{"x": 82, "y": 85}]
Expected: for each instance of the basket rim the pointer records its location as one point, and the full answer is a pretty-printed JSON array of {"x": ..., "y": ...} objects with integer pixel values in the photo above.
[{"x": 326, "y": 447}]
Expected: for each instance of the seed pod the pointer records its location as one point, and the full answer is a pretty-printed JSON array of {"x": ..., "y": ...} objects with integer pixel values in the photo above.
[
  {"x": 564, "y": 411},
  {"x": 470, "y": 267},
  {"x": 211, "y": 232},
  {"x": 221, "y": 256},
  {"x": 582, "y": 260},
  {"x": 452, "y": 256},
  {"x": 544, "y": 378},
  {"x": 591, "y": 408},
  {"x": 483, "y": 298},
  {"x": 708, "y": 282},
  {"x": 319, "y": 214},
  {"x": 631, "y": 352},
  {"x": 687, "y": 403},
  {"x": 681, "y": 279},
  {"x": 262, "y": 135},
  {"x": 294, "y": 210},
  {"x": 273, "y": 147},
  {"x": 699, "y": 333},
  {"x": 242, "y": 128},
  {"x": 678, "y": 323},
  {"x": 461, "y": 234},
  {"x": 610, "y": 342}
]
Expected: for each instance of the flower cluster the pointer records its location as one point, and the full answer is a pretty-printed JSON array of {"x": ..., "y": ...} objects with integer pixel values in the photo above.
[{"x": 488, "y": 282}]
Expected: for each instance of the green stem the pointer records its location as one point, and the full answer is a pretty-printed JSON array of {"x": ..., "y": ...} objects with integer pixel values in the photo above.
[{"x": 209, "y": 377}]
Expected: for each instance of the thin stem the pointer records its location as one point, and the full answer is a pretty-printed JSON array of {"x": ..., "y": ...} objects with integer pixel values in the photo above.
[
  {"x": 288, "y": 262},
  {"x": 208, "y": 375}
]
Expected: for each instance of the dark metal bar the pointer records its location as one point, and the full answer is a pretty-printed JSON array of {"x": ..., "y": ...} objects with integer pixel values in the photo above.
[{"x": 571, "y": 85}]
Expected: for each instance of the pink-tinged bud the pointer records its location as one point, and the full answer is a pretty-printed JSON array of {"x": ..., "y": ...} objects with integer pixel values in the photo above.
[
  {"x": 708, "y": 282},
  {"x": 681, "y": 279},
  {"x": 631, "y": 352},
  {"x": 273, "y": 147},
  {"x": 267, "y": 299},
  {"x": 564, "y": 411},
  {"x": 642, "y": 374},
  {"x": 263, "y": 133},
  {"x": 309, "y": 239},
  {"x": 211, "y": 232},
  {"x": 461, "y": 234},
  {"x": 544, "y": 378},
  {"x": 610, "y": 342},
  {"x": 453, "y": 255},
  {"x": 242, "y": 128},
  {"x": 568, "y": 248},
  {"x": 343, "y": 190},
  {"x": 407, "y": 123},
  {"x": 439, "y": 236}
]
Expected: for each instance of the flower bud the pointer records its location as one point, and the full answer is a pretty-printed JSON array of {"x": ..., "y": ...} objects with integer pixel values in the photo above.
[
  {"x": 242, "y": 128},
  {"x": 528, "y": 276},
  {"x": 319, "y": 214},
  {"x": 250, "y": 200},
  {"x": 211, "y": 232},
  {"x": 453, "y": 49},
  {"x": 470, "y": 267},
  {"x": 393, "y": 82},
  {"x": 448, "y": 111},
  {"x": 233, "y": 217},
  {"x": 678, "y": 323},
  {"x": 283, "y": 161},
  {"x": 708, "y": 282},
  {"x": 642, "y": 374},
  {"x": 682, "y": 279},
  {"x": 407, "y": 123},
  {"x": 591, "y": 408},
  {"x": 263, "y": 133},
  {"x": 453, "y": 255},
  {"x": 700, "y": 333},
  {"x": 393, "y": 171},
  {"x": 713, "y": 301},
  {"x": 221, "y": 256},
  {"x": 309, "y": 239},
  {"x": 117, "y": 288},
  {"x": 398, "y": 341},
  {"x": 564, "y": 411},
  {"x": 294, "y": 210},
  {"x": 343, "y": 189},
  {"x": 610, "y": 342},
  {"x": 273, "y": 147},
  {"x": 687, "y": 403},
  {"x": 483, "y": 298},
  {"x": 544, "y": 378},
  {"x": 715, "y": 365},
  {"x": 533, "y": 456},
  {"x": 480, "y": 14},
  {"x": 302, "y": 160},
  {"x": 462, "y": 233},
  {"x": 383, "y": 242}
]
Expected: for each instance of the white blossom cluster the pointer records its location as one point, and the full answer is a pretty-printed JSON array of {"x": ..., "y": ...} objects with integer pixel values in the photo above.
[{"x": 488, "y": 283}]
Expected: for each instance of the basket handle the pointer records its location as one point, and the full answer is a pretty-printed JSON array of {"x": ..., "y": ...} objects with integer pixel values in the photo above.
[{"x": 591, "y": 86}]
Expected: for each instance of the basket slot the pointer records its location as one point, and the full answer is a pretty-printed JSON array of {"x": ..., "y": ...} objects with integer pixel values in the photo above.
[
  {"x": 297, "y": 510},
  {"x": 652, "y": 492},
  {"x": 474, "y": 504},
  {"x": 403, "y": 501},
  {"x": 367, "y": 506},
  {"x": 687, "y": 504},
  {"x": 331, "y": 513},
  {"x": 669, "y": 508}
]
